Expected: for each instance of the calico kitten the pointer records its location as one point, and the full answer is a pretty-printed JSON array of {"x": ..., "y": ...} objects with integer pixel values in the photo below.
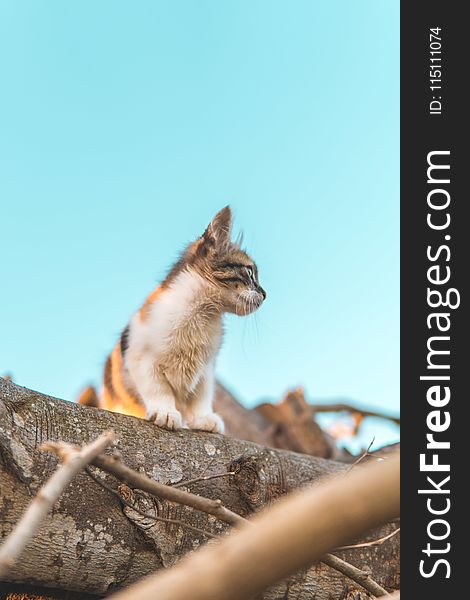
[{"x": 162, "y": 368}]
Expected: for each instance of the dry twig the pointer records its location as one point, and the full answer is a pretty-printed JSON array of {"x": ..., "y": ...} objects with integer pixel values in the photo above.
[
  {"x": 173, "y": 494},
  {"x": 376, "y": 542},
  {"x": 362, "y": 456},
  {"x": 342, "y": 407},
  {"x": 202, "y": 478},
  {"x": 143, "y": 513},
  {"x": 74, "y": 460},
  {"x": 361, "y": 577}
]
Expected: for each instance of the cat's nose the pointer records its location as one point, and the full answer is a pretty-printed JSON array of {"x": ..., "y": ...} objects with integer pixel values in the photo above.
[{"x": 262, "y": 292}]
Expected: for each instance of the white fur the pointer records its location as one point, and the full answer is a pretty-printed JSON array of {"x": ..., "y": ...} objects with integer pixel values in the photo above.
[{"x": 171, "y": 354}]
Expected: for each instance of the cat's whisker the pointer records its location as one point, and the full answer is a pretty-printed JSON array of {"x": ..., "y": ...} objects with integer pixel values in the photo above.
[
  {"x": 256, "y": 321},
  {"x": 239, "y": 301}
]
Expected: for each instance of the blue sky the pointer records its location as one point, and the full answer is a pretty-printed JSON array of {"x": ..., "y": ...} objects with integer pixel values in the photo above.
[{"x": 126, "y": 125}]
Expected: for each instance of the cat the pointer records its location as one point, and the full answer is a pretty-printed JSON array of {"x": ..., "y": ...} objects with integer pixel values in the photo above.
[{"x": 162, "y": 368}]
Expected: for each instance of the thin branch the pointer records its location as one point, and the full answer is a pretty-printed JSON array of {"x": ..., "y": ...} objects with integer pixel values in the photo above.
[
  {"x": 208, "y": 466},
  {"x": 343, "y": 407},
  {"x": 107, "y": 487},
  {"x": 361, "y": 577},
  {"x": 74, "y": 460},
  {"x": 202, "y": 478},
  {"x": 376, "y": 542},
  {"x": 362, "y": 457},
  {"x": 173, "y": 494}
]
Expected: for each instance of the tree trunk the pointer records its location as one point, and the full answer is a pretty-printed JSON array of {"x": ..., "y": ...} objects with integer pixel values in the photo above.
[{"x": 91, "y": 544}]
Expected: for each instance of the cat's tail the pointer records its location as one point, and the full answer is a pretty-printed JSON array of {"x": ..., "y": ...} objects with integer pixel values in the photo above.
[{"x": 89, "y": 397}]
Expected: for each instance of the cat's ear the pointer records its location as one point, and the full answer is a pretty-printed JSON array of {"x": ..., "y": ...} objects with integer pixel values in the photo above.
[{"x": 219, "y": 230}]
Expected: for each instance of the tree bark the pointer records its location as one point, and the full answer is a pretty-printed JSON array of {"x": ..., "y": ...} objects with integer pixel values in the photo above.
[{"x": 91, "y": 544}]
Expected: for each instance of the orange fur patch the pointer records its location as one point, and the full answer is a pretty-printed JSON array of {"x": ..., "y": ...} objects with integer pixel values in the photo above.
[
  {"x": 119, "y": 398},
  {"x": 155, "y": 295},
  {"x": 89, "y": 397}
]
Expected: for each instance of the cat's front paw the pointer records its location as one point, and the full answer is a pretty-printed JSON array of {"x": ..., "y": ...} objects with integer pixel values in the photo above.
[
  {"x": 210, "y": 422},
  {"x": 166, "y": 419}
]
